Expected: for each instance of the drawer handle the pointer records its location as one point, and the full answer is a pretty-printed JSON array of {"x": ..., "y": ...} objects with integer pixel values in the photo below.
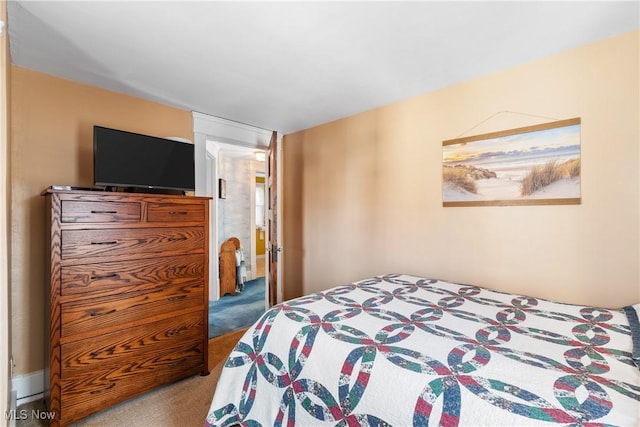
[
  {"x": 104, "y": 313},
  {"x": 177, "y": 298},
  {"x": 112, "y": 385},
  {"x": 107, "y": 276},
  {"x": 178, "y": 212},
  {"x": 113, "y": 242},
  {"x": 104, "y": 212},
  {"x": 177, "y": 239}
]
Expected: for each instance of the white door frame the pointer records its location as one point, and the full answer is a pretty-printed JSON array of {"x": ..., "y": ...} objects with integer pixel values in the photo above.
[
  {"x": 207, "y": 130},
  {"x": 212, "y": 191}
]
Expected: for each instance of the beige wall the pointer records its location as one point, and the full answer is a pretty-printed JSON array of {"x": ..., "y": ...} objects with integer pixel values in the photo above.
[
  {"x": 292, "y": 216},
  {"x": 366, "y": 190},
  {"x": 5, "y": 344},
  {"x": 52, "y": 143}
]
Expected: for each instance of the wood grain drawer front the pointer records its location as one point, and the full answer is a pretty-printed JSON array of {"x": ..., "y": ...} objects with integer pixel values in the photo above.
[
  {"x": 84, "y": 395},
  {"x": 126, "y": 276},
  {"x": 74, "y": 211},
  {"x": 87, "y": 316},
  {"x": 118, "y": 242},
  {"x": 174, "y": 212},
  {"x": 116, "y": 349}
]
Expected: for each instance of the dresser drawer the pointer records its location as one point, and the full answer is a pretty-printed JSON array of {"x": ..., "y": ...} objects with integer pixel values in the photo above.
[
  {"x": 74, "y": 211},
  {"x": 175, "y": 212},
  {"x": 118, "y": 348},
  {"x": 133, "y": 242},
  {"x": 126, "y": 276},
  {"x": 114, "y": 312},
  {"x": 81, "y": 395}
]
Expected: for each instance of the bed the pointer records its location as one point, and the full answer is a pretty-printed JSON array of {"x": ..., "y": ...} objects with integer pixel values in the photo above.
[{"x": 403, "y": 350}]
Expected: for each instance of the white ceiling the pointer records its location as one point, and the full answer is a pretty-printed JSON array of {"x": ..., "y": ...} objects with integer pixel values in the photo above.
[{"x": 288, "y": 66}]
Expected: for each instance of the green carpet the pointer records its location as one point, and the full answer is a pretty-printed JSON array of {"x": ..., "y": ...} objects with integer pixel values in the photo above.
[{"x": 240, "y": 311}]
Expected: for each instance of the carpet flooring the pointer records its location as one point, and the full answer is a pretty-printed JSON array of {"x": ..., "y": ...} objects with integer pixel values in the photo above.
[
  {"x": 240, "y": 311},
  {"x": 181, "y": 404}
]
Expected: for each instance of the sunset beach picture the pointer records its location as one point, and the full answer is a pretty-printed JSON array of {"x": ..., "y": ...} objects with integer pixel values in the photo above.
[{"x": 525, "y": 166}]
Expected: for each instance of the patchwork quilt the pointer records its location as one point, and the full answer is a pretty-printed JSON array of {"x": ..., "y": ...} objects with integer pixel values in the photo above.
[{"x": 408, "y": 351}]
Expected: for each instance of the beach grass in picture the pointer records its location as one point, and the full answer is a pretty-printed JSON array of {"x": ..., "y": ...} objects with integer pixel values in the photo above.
[{"x": 533, "y": 165}]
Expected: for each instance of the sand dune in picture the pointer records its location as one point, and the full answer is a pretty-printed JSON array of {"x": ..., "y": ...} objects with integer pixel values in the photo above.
[{"x": 551, "y": 180}]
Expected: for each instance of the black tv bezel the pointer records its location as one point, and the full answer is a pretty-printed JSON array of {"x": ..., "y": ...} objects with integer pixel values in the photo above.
[{"x": 130, "y": 186}]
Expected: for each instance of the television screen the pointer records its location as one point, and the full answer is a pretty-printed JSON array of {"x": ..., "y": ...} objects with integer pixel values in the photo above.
[{"x": 130, "y": 160}]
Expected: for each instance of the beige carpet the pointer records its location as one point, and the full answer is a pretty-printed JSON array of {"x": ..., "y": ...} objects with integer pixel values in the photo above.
[{"x": 184, "y": 403}]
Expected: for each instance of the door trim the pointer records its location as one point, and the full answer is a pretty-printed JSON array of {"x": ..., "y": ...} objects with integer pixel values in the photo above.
[{"x": 212, "y": 191}]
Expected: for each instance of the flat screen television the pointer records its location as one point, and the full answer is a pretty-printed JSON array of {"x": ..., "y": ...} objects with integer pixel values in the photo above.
[{"x": 134, "y": 161}]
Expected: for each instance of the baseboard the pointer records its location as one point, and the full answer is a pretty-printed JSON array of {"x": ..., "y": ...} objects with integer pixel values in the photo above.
[{"x": 27, "y": 387}]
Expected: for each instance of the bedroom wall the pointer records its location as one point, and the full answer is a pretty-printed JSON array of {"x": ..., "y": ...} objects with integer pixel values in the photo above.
[
  {"x": 365, "y": 191},
  {"x": 292, "y": 215},
  {"x": 52, "y": 143}
]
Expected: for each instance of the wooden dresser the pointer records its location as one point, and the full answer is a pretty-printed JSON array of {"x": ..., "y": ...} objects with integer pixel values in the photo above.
[{"x": 127, "y": 296}]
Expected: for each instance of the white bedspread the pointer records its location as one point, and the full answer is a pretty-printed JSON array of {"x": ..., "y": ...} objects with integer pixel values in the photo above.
[{"x": 402, "y": 350}]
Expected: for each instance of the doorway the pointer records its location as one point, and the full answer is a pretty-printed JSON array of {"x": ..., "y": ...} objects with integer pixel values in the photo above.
[
  {"x": 241, "y": 212},
  {"x": 241, "y": 216},
  {"x": 219, "y": 138}
]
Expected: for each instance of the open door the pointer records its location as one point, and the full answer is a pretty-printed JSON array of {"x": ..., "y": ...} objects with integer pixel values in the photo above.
[{"x": 273, "y": 246}]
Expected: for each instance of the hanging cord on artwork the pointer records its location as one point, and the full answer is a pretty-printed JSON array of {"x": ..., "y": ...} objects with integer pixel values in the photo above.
[{"x": 503, "y": 112}]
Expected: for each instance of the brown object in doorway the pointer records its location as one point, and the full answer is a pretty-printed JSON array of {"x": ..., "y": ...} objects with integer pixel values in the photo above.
[{"x": 228, "y": 266}]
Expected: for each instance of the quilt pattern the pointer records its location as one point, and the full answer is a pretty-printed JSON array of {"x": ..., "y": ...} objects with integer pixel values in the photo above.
[{"x": 407, "y": 351}]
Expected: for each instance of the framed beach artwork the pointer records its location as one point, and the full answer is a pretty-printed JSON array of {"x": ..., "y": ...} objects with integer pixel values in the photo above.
[{"x": 533, "y": 165}]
